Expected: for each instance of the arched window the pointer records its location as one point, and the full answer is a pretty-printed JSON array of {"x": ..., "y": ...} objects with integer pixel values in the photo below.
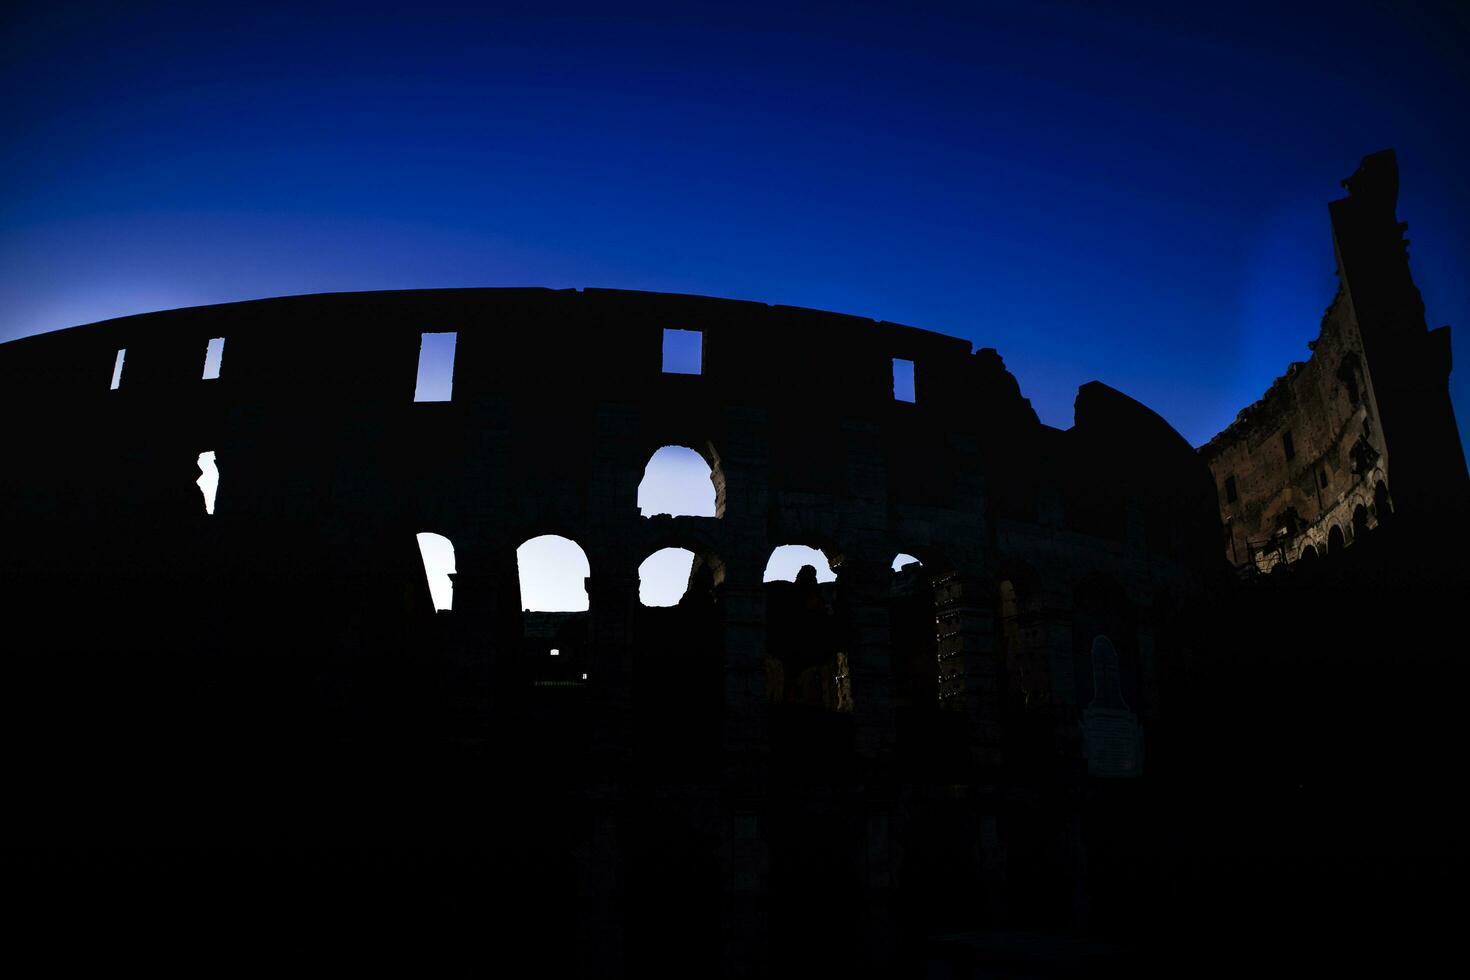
[
  {"x": 553, "y": 573},
  {"x": 679, "y": 482},
  {"x": 1334, "y": 540},
  {"x": 1360, "y": 522},
  {"x": 806, "y": 658},
  {"x": 1309, "y": 553},
  {"x": 901, "y": 561},
  {"x": 664, "y": 576},
  {"x": 438, "y": 555},
  {"x": 1382, "y": 506},
  {"x": 786, "y": 561}
]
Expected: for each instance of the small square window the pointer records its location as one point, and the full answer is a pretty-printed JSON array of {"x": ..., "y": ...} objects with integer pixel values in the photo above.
[
  {"x": 555, "y": 652},
  {"x": 436, "y": 367},
  {"x": 903, "y": 380},
  {"x": 212, "y": 357},
  {"x": 683, "y": 351}
]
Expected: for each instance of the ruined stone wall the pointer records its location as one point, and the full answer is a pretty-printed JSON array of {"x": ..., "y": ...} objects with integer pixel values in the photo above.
[
  {"x": 1326, "y": 407},
  {"x": 297, "y": 614},
  {"x": 1306, "y": 470}
]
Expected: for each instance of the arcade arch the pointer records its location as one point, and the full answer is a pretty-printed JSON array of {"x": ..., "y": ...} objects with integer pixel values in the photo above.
[
  {"x": 679, "y": 482},
  {"x": 553, "y": 573}
]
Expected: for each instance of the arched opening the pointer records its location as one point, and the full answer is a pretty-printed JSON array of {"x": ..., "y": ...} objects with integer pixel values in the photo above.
[
  {"x": 209, "y": 479},
  {"x": 787, "y": 560},
  {"x": 902, "y": 561},
  {"x": 922, "y": 736},
  {"x": 1334, "y": 541},
  {"x": 806, "y": 653},
  {"x": 437, "y": 552},
  {"x": 553, "y": 572},
  {"x": 1382, "y": 506},
  {"x": 678, "y": 663},
  {"x": 553, "y": 575},
  {"x": 1360, "y": 522},
  {"x": 679, "y": 482},
  {"x": 663, "y": 578},
  {"x": 1309, "y": 554}
]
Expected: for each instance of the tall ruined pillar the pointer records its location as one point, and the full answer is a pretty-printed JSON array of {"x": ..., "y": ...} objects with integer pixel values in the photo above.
[
  {"x": 744, "y": 491},
  {"x": 969, "y": 683},
  {"x": 863, "y": 586},
  {"x": 742, "y": 605},
  {"x": 969, "y": 668},
  {"x": 484, "y": 634},
  {"x": 612, "y": 593},
  {"x": 863, "y": 589},
  {"x": 743, "y": 624}
]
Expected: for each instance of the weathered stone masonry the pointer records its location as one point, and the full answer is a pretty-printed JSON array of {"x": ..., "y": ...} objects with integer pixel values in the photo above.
[{"x": 1362, "y": 429}]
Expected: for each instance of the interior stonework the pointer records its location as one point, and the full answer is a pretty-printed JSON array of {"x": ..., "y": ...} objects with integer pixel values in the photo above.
[{"x": 1313, "y": 455}]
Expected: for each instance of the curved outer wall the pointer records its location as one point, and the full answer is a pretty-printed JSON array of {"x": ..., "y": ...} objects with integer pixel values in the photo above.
[
  {"x": 287, "y": 644},
  {"x": 1364, "y": 429}
]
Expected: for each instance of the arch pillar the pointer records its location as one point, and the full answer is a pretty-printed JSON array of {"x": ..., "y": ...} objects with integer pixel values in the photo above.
[
  {"x": 612, "y": 597},
  {"x": 742, "y": 602},
  {"x": 484, "y": 638},
  {"x": 863, "y": 585},
  {"x": 969, "y": 668},
  {"x": 745, "y": 923}
]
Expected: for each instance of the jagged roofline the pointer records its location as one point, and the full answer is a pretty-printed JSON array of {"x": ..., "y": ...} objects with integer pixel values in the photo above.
[
  {"x": 990, "y": 354},
  {"x": 1377, "y": 176}
]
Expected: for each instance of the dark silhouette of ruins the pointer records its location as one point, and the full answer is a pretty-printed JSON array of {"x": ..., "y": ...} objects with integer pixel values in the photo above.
[{"x": 1070, "y": 738}]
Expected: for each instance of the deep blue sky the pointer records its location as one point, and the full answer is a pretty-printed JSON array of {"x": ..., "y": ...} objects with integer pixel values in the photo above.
[{"x": 1134, "y": 197}]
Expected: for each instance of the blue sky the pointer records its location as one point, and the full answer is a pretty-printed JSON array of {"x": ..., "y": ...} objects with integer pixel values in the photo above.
[{"x": 1135, "y": 195}]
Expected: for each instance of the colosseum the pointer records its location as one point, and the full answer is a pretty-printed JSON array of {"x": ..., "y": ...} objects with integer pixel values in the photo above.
[{"x": 1010, "y": 732}]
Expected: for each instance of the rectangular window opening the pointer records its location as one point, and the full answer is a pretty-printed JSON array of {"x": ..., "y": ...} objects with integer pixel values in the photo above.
[
  {"x": 1230, "y": 492},
  {"x": 903, "y": 380},
  {"x": 683, "y": 351},
  {"x": 1286, "y": 444},
  {"x": 555, "y": 652},
  {"x": 212, "y": 358},
  {"x": 117, "y": 368},
  {"x": 436, "y": 367}
]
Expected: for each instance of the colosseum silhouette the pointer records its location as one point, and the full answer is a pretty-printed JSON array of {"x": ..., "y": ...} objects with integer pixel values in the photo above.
[{"x": 767, "y": 777}]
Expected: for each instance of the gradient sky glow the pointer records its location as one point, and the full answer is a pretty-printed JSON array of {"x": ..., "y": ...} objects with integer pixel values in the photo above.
[{"x": 1136, "y": 194}]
